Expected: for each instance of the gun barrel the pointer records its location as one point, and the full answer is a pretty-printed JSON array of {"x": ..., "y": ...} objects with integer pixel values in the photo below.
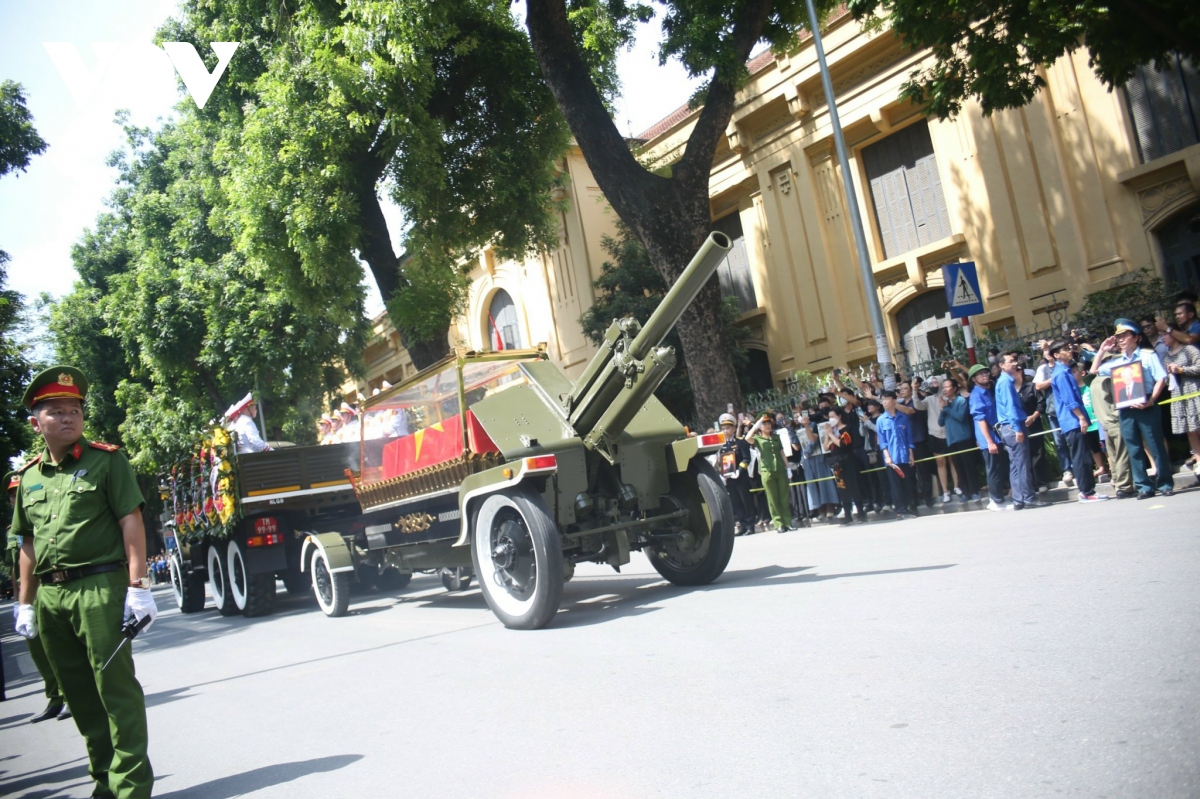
[{"x": 681, "y": 295}]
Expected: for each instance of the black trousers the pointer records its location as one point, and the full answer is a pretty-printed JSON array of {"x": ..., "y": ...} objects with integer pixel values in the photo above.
[
  {"x": 967, "y": 466},
  {"x": 1081, "y": 460},
  {"x": 742, "y": 501},
  {"x": 1037, "y": 452},
  {"x": 848, "y": 478},
  {"x": 904, "y": 489},
  {"x": 926, "y": 471}
]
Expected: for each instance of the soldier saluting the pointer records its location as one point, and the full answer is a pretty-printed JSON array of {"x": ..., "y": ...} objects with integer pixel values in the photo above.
[{"x": 79, "y": 512}]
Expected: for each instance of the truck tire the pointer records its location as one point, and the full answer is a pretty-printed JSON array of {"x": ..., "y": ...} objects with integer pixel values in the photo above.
[
  {"x": 332, "y": 590},
  {"x": 218, "y": 580},
  {"x": 253, "y": 594},
  {"x": 457, "y": 578},
  {"x": 517, "y": 553},
  {"x": 392, "y": 579},
  {"x": 189, "y": 588},
  {"x": 703, "y": 557}
]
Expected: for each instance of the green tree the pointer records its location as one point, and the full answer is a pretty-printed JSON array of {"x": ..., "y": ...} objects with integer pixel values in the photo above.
[
  {"x": 995, "y": 50},
  {"x": 173, "y": 323},
  {"x": 19, "y": 141},
  {"x": 438, "y": 106},
  {"x": 629, "y": 285},
  {"x": 669, "y": 213}
]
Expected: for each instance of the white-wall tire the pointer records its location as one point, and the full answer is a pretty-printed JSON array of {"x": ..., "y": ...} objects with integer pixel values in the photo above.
[
  {"x": 331, "y": 590},
  {"x": 252, "y": 594},
  {"x": 517, "y": 553},
  {"x": 218, "y": 581}
]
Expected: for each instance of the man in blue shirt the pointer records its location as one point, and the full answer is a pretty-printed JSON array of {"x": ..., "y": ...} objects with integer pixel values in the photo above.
[
  {"x": 1010, "y": 424},
  {"x": 896, "y": 445},
  {"x": 1141, "y": 424},
  {"x": 983, "y": 412},
  {"x": 1073, "y": 420}
]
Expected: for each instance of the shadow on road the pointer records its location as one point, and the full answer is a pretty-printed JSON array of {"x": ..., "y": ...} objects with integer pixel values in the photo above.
[
  {"x": 63, "y": 772},
  {"x": 259, "y": 778},
  {"x": 594, "y": 600}
]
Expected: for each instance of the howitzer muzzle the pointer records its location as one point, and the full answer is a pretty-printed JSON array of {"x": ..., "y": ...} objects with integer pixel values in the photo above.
[{"x": 681, "y": 295}]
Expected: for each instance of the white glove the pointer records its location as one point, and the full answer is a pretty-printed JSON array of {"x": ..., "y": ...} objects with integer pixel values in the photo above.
[
  {"x": 139, "y": 603},
  {"x": 26, "y": 624}
]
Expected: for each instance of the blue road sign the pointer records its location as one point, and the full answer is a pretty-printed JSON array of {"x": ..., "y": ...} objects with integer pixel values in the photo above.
[{"x": 962, "y": 289}]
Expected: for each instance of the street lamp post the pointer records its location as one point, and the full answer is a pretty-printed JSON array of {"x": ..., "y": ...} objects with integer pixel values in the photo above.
[{"x": 883, "y": 353}]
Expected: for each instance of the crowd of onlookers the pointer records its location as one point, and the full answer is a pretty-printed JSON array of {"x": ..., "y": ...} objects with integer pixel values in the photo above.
[{"x": 1102, "y": 407}]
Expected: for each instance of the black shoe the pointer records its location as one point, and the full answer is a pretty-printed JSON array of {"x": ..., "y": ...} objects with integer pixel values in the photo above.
[
  {"x": 1018, "y": 506},
  {"x": 52, "y": 710},
  {"x": 1125, "y": 494},
  {"x": 1145, "y": 494},
  {"x": 1167, "y": 492},
  {"x": 66, "y": 714}
]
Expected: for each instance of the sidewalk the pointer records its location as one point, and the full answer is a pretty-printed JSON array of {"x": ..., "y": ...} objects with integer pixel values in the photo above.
[{"x": 1058, "y": 493}]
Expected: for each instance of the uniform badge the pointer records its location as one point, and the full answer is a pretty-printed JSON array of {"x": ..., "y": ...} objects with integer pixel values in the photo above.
[{"x": 65, "y": 379}]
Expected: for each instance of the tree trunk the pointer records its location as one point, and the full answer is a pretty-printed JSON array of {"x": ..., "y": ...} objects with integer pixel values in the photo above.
[
  {"x": 670, "y": 216},
  {"x": 375, "y": 246}
]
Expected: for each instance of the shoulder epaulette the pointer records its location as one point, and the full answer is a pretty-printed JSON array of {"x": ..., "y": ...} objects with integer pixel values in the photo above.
[
  {"x": 103, "y": 446},
  {"x": 35, "y": 459}
]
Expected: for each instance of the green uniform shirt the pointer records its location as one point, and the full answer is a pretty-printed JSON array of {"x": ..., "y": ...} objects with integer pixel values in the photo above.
[
  {"x": 770, "y": 453},
  {"x": 72, "y": 509}
]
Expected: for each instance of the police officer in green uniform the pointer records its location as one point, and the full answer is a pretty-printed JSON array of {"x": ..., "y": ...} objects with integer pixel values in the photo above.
[
  {"x": 83, "y": 557},
  {"x": 773, "y": 468},
  {"x": 12, "y": 558}
]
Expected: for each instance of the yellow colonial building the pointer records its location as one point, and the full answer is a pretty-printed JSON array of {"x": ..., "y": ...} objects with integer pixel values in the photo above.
[{"x": 1069, "y": 195}]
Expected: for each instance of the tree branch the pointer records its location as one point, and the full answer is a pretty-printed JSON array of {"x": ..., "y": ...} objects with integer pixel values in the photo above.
[
  {"x": 623, "y": 180},
  {"x": 696, "y": 163}
]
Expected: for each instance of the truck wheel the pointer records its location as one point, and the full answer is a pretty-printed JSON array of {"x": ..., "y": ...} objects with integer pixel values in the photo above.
[
  {"x": 253, "y": 594},
  {"x": 218, "y": 581},
  {"x": 703, "y": 552},
  {"x": 332, "y": 590},
  {"x": 392, "y": 579},
  {"x": 189, "y": 589},
  {"x": 517, "y": 554},
  {"x": 456, "y": 579}
]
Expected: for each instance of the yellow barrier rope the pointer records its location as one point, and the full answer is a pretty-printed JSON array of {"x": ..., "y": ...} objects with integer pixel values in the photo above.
[{"x": 964, "y": 451}]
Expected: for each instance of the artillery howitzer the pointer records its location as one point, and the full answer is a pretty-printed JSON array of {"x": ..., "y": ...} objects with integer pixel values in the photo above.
[{"x": 514, "y": 472}]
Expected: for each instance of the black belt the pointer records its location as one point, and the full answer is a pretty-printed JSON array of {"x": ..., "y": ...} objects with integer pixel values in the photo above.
[{"x": 67, "y": 575}]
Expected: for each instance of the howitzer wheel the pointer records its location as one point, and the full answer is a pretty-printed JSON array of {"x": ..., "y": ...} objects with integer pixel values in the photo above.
[
  {"x": 253, "y": 594},
  {"x": 189, "y": 589},
  {"x": 701, "y": 555},
  {"x": 332, "y": 590},
  {"x": 457, "y": 578},
  {"x": 518, "y": 558},
  {"x": 218, "y": 581}
]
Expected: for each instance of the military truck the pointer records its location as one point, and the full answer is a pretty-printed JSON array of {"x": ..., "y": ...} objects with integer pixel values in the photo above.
[
  {"x": 239, "y": 520},
  {"x": 502, "y": 465}
]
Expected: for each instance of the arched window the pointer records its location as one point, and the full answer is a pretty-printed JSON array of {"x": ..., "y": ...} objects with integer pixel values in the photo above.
[
  {"x": 503, "y": 331},
  {"x": 925, "y": 326}
]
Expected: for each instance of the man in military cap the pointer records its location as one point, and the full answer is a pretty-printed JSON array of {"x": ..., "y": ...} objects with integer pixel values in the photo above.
[
  {"x": 83, "y": 559},
  {"x": 55, "y": 707},
  {"x": 241, "y": 415}
]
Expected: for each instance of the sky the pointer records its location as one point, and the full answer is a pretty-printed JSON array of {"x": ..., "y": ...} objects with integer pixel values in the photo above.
[{"x": 74, "y": 88}]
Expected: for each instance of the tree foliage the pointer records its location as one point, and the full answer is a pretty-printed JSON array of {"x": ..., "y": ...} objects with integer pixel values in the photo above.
[
  {"x": 437, "y": 105},
  {"x": 19, "y": 140},
  {"x": 629, "y": 285},
  {"x": 172, "y": 323},
  {"x": 994, "y": 50}
]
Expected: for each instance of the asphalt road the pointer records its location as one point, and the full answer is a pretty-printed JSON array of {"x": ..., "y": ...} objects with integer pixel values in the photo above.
[{"x": 1045, "y": 653}]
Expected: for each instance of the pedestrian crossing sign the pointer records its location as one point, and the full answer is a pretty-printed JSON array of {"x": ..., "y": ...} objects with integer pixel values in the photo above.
[{"x": 962, "y": 289}]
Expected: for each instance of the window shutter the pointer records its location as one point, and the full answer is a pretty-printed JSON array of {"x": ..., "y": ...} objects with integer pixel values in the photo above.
[
  {"x": 1171, "y": 111},
  {"x": 883, "y": 218}
]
